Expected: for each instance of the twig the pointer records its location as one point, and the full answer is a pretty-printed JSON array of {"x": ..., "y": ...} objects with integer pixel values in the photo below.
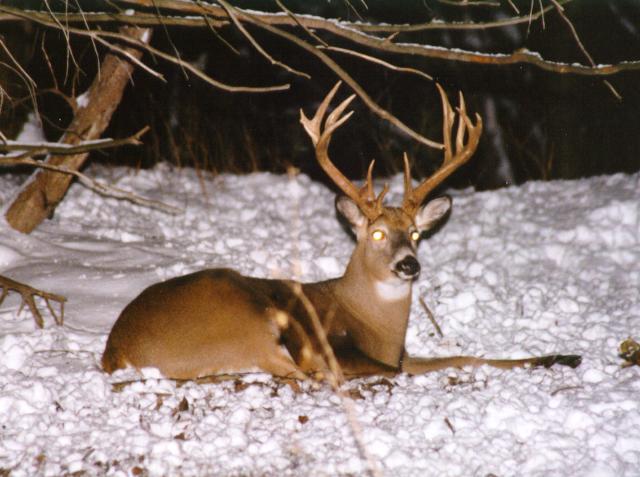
[
  {"x": 211, "y": 24},
  {"x": 431, "y": 317},
  {"x": 584, "y": 51},
  {"x": 231, "y": 11},
  {"x": 378, "y": 61},
  {"x": 61, "y": 148},
  {"x": 22, "y": 74},
  {"x": 565, "y": 388},
  {"x": 96, "y": 186},
  {"x": 347, "y": 78},
  {"x": 28, "y": 293},
  {"x": 98, "y": 35},
  {"x": 356, "y": 32},
  {"x": 335, "y": 374},
  {"x": 300, "y": 24},
  {"x": 470, "y": 3}
]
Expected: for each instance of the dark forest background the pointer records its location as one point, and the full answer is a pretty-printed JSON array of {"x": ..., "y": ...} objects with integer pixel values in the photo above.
[{"x": 538, "y": 124}]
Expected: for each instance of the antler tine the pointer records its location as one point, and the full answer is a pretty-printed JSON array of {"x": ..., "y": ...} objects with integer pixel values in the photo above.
[
  {"x": 313, "y": 125},
  {"x": 407, "y": 173},
  {"x": 321, "y": 137},
  {"x": 414, "y": 197},
  {"x": 367, "y": 188},
  {"x": 462, "y": 123}
]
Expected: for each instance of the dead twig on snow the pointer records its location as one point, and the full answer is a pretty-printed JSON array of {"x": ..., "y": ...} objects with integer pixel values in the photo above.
[{"x": 28, "y": 293}]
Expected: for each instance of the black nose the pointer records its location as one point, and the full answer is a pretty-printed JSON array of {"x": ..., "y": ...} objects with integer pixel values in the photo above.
[{"x": 408, "y": 267}]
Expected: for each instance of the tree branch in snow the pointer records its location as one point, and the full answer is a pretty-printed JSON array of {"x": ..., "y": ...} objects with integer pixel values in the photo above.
[
  {"x": 28, "y": 295},
  {"x": 96, "y": 186}
]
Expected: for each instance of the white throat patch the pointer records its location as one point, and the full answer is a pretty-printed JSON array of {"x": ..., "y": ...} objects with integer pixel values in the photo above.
[{"x": 393, "y": 290}]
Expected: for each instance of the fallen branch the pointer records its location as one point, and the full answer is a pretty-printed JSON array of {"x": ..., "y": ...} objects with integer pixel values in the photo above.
[
  {"x": 93, "y": 184},
  {"x": 28, "y": 293},
  {"x": 40, "y": 195}
]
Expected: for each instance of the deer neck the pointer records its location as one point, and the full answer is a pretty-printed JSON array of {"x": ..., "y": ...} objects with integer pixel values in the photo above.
[{"x": 375, "y": 313}]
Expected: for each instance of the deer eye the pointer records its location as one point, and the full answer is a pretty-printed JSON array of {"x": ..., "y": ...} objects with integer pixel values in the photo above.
[
  {"x": 415, "y": 235},
  {"x": 378, "y": 235}
]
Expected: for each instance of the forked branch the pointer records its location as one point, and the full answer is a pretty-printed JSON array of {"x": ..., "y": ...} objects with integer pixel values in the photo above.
[{"x": 28, "y": 295}]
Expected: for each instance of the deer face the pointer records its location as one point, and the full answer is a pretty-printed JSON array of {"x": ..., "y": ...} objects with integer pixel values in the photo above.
[{"x": 387, "y": 245}]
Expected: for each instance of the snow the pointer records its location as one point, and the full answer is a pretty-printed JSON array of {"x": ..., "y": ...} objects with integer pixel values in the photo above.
[{"x": 540, "y": 268}]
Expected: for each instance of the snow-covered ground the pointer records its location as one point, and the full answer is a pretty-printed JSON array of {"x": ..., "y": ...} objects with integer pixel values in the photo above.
[{"x": 542, "y": 268}]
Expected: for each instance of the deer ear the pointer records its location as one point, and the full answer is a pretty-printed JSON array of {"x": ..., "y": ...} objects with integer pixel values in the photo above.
[
  {"x": 430, "y": 213},
  {"x": 350, "y": 211}
]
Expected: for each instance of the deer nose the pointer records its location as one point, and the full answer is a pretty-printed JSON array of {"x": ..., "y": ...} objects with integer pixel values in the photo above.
[{"x": 408, "y": 267}]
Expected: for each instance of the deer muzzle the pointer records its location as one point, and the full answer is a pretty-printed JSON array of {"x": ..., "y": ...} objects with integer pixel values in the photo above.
[{"x": 408, "y": 268}]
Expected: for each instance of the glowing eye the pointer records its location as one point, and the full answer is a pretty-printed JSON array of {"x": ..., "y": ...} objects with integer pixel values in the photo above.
[
  {"x": 415, "y": 236},
  {"x": 377, "y": 235}
]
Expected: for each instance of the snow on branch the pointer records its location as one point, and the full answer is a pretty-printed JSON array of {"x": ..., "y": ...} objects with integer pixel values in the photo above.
[{"x": 198, "y": 14}]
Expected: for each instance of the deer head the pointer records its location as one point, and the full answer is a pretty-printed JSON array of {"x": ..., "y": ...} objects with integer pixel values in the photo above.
[{"x": 388, "y": 236}]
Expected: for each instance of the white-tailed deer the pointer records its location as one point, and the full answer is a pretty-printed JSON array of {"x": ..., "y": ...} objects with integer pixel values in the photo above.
[{"x": 218, "y": 321}]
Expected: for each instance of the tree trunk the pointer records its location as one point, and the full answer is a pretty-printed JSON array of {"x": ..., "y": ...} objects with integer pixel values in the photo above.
[{"x": 44, "y": 190}]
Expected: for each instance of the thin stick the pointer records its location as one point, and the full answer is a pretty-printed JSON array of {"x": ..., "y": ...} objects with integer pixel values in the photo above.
[
  {"x": 98, "y": 35},
  {"x": 589, "y": 58},
  {"x": 378, "y": 61},
  {"x": 231, "y": 11},
  {"x": 300, "y": 24},
  {"x": 335, "y": 374},
  {"x": 61, "y": 148},
  {"x": 96, "y": 186},
  {"x": 431, "y": 317},
  {"x": 356, "y": 33},
  {"x": 347, "y": 78}
]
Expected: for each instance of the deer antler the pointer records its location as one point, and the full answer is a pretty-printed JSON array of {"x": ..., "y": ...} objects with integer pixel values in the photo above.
[
  {"x": 463, "y": 152},
  {"x": 369, "y": 204}
]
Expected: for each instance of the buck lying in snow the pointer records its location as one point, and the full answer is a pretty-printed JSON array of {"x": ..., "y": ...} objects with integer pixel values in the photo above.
[{"x": 218, "y": 321}]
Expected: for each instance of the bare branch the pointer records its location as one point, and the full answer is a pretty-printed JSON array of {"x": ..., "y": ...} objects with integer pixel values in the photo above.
[
  {"x": 341, "y": 73},
  {"x": 357, "y": 33},
  {"x": 231, "y": 11},
  {"x": 584, "y": 51},
  {"x": 96, "y": 186},
  {"x": 28, "y": 293},
  {"x": 100, "y": 35},
  {"x": 378, "y": 61},
  {"x": 432, "y": 318},
  {"x": 61, "y": 148},
  {"x": 471, "y": 3}
]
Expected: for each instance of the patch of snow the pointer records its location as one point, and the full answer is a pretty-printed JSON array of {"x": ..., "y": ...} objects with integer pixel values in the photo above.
[{"x": 541, "y": 268}]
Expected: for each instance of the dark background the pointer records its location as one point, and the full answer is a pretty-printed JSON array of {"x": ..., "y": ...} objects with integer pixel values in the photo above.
[{"x": 538, "y": 124}]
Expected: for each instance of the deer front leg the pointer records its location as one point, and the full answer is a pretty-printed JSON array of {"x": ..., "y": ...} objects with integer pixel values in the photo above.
[{"x": 413, "y": 365}]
